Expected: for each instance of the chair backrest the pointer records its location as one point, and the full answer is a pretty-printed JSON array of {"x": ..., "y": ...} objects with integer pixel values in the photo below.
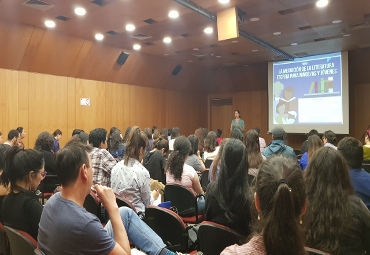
[
  {"x": 213, "y": 238},
  {"x": 124, "y": 202},
  {"x": 92, "y": 204},
  {"x": 204, "y": 179},
  {"x": 21, "y": 243},
  {"x": 208, "y": 163},
  {"x": 169, "y": 226},
  {"x": 366, "y": 167},
  {"x": 182, "y": 198},
  {"x": 315, "y": 252},
  {"x": 49, "y": 184}
]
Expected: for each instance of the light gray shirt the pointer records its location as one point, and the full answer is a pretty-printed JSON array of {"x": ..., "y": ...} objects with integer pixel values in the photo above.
[{"x": 194, "y": 161}]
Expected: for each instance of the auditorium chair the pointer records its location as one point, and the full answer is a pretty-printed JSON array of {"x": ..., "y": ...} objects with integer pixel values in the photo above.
[
  {"x": 366, "y": 167},
  {"x": 208, "y": 163},
  {"x": 185, "y": 202},
  {"x": 124, "y": 202},
  {"x": 48, "y": 186},
  {"x": 93, "y": 205},
  {"x": 213, "y": 238},
  {"x": 204, "y": 179},
  {"x": 21, "y": 243}
]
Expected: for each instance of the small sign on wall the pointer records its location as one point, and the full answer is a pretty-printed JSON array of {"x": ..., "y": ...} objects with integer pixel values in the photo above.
[{"x": 85, "y": 101}]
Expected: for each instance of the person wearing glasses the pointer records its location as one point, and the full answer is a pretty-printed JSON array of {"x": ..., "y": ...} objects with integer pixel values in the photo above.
[{"x": 23, "y": 170}]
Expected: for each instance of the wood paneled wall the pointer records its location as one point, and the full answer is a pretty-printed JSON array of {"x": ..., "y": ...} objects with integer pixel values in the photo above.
[{"x": 41, "y": 102}]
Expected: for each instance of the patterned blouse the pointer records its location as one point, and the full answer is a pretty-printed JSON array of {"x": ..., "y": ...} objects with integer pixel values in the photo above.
[{"x": 254, "y": 247}]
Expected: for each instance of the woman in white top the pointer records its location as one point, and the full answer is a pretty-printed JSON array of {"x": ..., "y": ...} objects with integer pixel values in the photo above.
[
  {"x": 255, "y": 157},
  {"x": 211, "y": 146},
  {"x": 130, "y": 179},
  {"x": 180, "y": 173}
]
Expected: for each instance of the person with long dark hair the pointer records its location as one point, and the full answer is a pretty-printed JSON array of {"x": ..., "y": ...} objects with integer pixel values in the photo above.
[
  {"x": 336, "y": 220},
  {"x": 214, "y": 168},
  {"x": 23, "y": 171},
  {"x": 227, "y": 200},
  {"x": 180, "y": 173},
  {"x": 130, "y": 179},
  {"x": 255, "y": 157},
  {"x": 313, "y": 144},
  {"x": 211, "y": 146},
  {"x": 193, "y": 158},
  {"x": 280, "y": 201},
  {"x": 109, "y": 138},
  {"x": 116, "y": 148},
  {"x": 155, "y": 162}
]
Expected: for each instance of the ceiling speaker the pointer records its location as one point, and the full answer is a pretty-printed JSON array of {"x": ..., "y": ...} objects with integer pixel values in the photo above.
[
  {"x": 122, "y": 58},
  {"x": 176, "y": 70}
]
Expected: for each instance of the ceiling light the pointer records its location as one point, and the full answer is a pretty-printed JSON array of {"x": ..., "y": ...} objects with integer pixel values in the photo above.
[
  {"x": 234, "y": 41},
  {"x": 346, "y": 35},
  {"x": 254, "y": 19},
  {"x": 166, "y": 54},
  {"x": 167, "y": 40},
  {"x": 130, "y": 27},
  {"x": 254, "y": 50},
  {"x": 336, "y": 21},
  {"x": 322, "y": 3},
  {"x": 173, "y": 14},
  {"x": 137, "y": 47},
  {"x": 224, "y": 1},
  {"x": 218, "y": 56},
  {"x": 190, "y": 61},
  {"x": 245, "y": 65},
  {"x": 208, "y": 30},
  {"x": 80, "y": 11},
  {"x": 99, "y": 37},
  {"x": 195, "y": 48},
  {"x": 49, "y": 23},
  {"x": 276, "y": 33},
  {"x": 294, "y": 44}
]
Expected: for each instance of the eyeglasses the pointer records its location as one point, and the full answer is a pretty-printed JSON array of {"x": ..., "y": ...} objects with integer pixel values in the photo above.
[{"x": 43, "y": 174}]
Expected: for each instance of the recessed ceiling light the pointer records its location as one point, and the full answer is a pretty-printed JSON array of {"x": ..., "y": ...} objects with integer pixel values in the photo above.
[
  {"x": 137, "y": 47},
  {"x": 167, "y": 40},
  {"x": 346, "y": 35},
  {"x": 336, "y": 21},
  {"x": 99, "y": 37},
  {"x": 322, "y": 3},
  {"x": 190, "y": 61},
  {"x": 80, "y": 11},
  {"x": 294, "y": 44},
  {"x": 208, "y": 30},
  {"x": 130, "y": 27},
  {"x": 173, "y": 14},
  {"x": 224, "y": 1},
  {"x": 276, "y": 33},
  {"x": 166, "y": 54},
  {"x": 245, "y": 65},
  {"x": 49, "y": 23},
  {"x": 254, "y": 19},
  {"x": 254, "y": 50},
  {"x": 218, "y": 56},
  {"x": 234, "y": 41},
  {"x": 195, "y": 48}
]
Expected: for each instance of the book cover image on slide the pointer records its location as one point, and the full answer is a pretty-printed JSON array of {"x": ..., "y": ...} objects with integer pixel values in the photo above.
[{"x": 302, "y": 86}]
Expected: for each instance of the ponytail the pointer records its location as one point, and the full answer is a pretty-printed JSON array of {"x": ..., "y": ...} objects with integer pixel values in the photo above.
[
  {"x": 135, "y": 141},
  {"x": 281, "y": 229},
  {"x": 176, "y": 161}
]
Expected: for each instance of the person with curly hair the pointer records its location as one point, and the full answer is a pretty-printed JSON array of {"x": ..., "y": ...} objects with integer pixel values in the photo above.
[
  {"x": 45, "y": 144},
  {"x": 336, "y": 221},
  {"x": 182, "y": 174}
]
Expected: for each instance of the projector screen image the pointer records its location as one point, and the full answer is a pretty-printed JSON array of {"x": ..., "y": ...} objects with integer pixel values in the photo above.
[{"x": 310, "y": 93}]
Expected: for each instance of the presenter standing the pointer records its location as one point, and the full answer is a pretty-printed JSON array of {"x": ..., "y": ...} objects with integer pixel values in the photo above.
[{"x": 237, "y": 123}]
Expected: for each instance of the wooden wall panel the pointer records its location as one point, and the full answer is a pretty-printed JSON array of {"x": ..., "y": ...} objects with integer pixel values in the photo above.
[
  {"x": 23, "y": 106},
  {"x": 220, "y": 115}
]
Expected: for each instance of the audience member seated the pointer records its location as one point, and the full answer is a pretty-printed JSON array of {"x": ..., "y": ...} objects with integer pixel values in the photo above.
[
  {"x": 116, "y": 148},
  {"x": 175, "y": 132},
  {"x": 199, "y": 134},
  {"x": 23, "y": 170},
  {"x": 102, "y": 161},
  {"x": 57, "y": 136},
  {"x": 67, "y": 228},
  {"x": 1, "y": 137},
  {"x": 304, "y": 144},
  {"x": 77, "y": 131},
  {"x": 22, "y": 133},
  {"x": 329, "y": 138},
  {"x": 81, "y": 137},
  {"x": 219, "y": 133},
  {"x": 277, "y": 146},
  {"x": 314, "y": 143},
  {"x": 193, "y": 159},
  {"x": 262, "y": 141},
  {"x": 127, "y": 132},
  {"x": 214, "y": 169},
  {"x": 13, "y": 138},
  {"x": 45, "y": 144},
  {"x": 164, "y": 133},
  {"x": 255, "y": 157},
  {"x": 155, "y": 162},
  {"x": 156, "y": 134},
  {"x": 109, "y": 137},
  {"x": 336, "y": 220},
  {"x": 367, "y": 146},
  {"x": 236, "y": 135},
  {"x": 210, "y": 146},
  {"x": 4, "y": 190},
  {"x": 280, "y": 200},
  {"x": 130, "y": 179},
  {"x": 182, "y": 174},
  {"x": 352, "y": 151},
  {"x": 150, "y": 135},
  {"x": 227, "y": 199}
]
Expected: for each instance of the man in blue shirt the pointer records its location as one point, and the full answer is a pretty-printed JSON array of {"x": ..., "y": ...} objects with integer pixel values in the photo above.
[{"x": 352, "y": 151}]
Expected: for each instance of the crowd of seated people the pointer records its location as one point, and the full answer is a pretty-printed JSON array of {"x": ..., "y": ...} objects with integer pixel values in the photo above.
[{"x": 281, "y": 204}]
